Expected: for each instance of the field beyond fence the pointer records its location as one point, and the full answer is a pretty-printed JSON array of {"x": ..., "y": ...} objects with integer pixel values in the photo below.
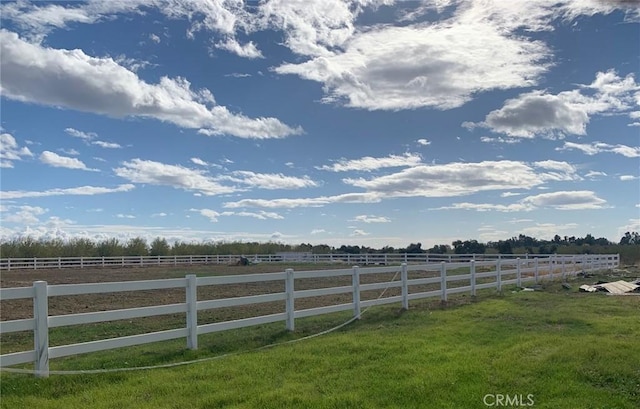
[{"x": 283, "y": 297}]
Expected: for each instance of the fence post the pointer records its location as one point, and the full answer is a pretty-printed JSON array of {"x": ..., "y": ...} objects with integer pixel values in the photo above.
[
  {"x": 41, "y": 328},
  {"x": 9, "y": 264},
  {"x": 405, "y": 287},
  {"x": 473, "y": 278},
  {"x": 518, "y": 274},
  {"x": 355, "y": 280},
  {"x": 192, "y": 311},
  {"x": 535, "y": 269},
  {"x": 564, "y": 272},
  {"x": 289, "y": 289},
  {"x": 59, "y": 263},
  {"x": 573, "y": 265},
  {"x": 499, "y": 274},
  {"x": 35, "y": 263},
  {"x": 552, "y": 264},
  {"x": 443, "y": 281}
]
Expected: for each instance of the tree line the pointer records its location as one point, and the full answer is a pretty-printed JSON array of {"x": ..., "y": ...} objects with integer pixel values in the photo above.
[{"x": 83, "y": 247}]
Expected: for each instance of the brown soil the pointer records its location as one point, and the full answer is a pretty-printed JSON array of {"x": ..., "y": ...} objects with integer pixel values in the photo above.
[{"x": 18, "y": 309}]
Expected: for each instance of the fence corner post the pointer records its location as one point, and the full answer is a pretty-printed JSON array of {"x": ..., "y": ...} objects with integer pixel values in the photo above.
[
  {"x": 405, "y": 287},
  {"x": 443, "y": 281},
  {"x": 289, "y": 289},
  {"x": 41, "y": 328},
  {"x": 472, "y": 270},
  {"x": 355, "y": 280},
  {"x": 192, "y": 311}
]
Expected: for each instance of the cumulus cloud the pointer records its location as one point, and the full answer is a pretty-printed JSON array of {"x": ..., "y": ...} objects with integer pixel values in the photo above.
[
  {"x": 22, "y": 214},
  {"x": 371, "y": 219},
  {"x": 448, "y": 180},
  {"x": 232, "y": 45},
  {"x": 107, "y": 145},
  {"x": 10, "y": 151},
  {"x": 567, "y": 200},
  {"x": 368, "y": 163},
  {"x": 626, "y": 178},
  {"x": 457, "y": 179},
  {"x": 213, "y": 216},
  {"x": 393, "y": 68},
  {"x": 600, "y": 147},
  {"x": 176, "y": 176},
  {"x": 538, "y": 113},
  {"x": 57, "y": 161},
  {"x": 562, "y": 200},
  {"x": 72, "y": 79},
  {"x": 269, "y": 181},
  {"x": 74, "y": 191}
]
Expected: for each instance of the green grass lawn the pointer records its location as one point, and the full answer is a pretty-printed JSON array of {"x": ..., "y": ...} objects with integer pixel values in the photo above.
[{"x": 566, "y": 349}]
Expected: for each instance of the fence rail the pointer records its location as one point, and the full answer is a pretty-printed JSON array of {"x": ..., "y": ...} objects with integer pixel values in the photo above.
[
  {"x": 448, "y": 278},
  {"x": 35, "y": 263}
]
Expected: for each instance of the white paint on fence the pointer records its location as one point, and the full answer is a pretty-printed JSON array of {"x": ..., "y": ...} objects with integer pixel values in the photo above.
[{"x": 41, "y": 321}]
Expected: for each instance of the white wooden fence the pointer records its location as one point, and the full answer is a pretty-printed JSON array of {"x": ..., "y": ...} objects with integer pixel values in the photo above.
[
  {"x": 504, "y": 272},
  {"x": 35, "y": 263}
]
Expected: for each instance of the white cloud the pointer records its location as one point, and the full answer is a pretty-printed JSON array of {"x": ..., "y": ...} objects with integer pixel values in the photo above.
[
  {"x": 57, "y": 161},
  {"x": 317, "y": 231},
  {"x": 368, "y": 163},
  {"x": 154, "y": 38},
  {"x": 487, "y": 207},
  {"x": 423, "y": 142},
  {"x": 371, "y": 219},
  {"x": 107, "y": 145},
  {"x": 10, "y": 151},
  {"x": 509, "y": 194},
  {"x": 631, "y": 226},
  {"x": 488, "y": 139},
  {"x": 22, "y": 214},
  {"x": 72, "y": 79},
  {"x": 74, "y": 191},
  {"x": 600, "y": 147},
  {"x": 594, "y": 174},
  {"x": 125, "y": 216},
  {"x": 269, "y": 180},
  {"x": 72, "y": 152},
  {"x": 176, "y": 176},
  {"x": 449, "y": 180},
  {"x": 232, "y": 45},
  {"x": 238, "y": 75},
  {"x": 161, "y": 214},
  {"x": 358, "y": 233},
  {"x": 538, "y": 113},
  {"x": 626, "y": 178},
  {"x": 199, "y": 162},
  {"x": 85, "y": 136},
  {"x": 457, "y": 179},
  {"x": 393, "y": 68},
  {"x": 567, "y": 200}
]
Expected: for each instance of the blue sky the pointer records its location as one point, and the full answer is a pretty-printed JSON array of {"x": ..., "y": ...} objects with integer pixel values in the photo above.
[{"x": 365, "y": 122}]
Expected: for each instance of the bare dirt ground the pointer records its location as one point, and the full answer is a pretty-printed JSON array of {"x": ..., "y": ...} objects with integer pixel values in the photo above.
[{"x": 18, "y": 309}]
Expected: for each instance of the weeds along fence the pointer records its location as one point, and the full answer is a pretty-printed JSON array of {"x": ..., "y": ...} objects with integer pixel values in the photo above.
[
  {"x": 417, "y": 281},
  {"x": 35, "y": 263}
]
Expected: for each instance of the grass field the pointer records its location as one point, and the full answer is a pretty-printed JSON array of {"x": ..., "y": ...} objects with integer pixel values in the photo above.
[{"x": 564, "y": 348}]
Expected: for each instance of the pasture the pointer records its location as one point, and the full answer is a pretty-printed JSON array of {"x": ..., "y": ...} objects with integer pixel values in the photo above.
[{"x": 565, "y": 348}]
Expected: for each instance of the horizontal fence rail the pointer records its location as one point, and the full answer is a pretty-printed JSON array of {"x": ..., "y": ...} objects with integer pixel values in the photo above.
[
  {"x": 35, "y": 263},
  {"x": 448, "y": 278}
]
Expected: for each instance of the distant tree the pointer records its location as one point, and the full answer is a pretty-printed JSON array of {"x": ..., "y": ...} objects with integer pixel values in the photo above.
[
  {"x": 630, "y": 238},
  {"x": 160, "y": 247},
  {"x": 468, "y": 247},
  {"x": 439, "y": 249},
  {"x": 137, "y": 247},
  {"x": 504, "y": 247},
  {"x": 414, "y": 248}
]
